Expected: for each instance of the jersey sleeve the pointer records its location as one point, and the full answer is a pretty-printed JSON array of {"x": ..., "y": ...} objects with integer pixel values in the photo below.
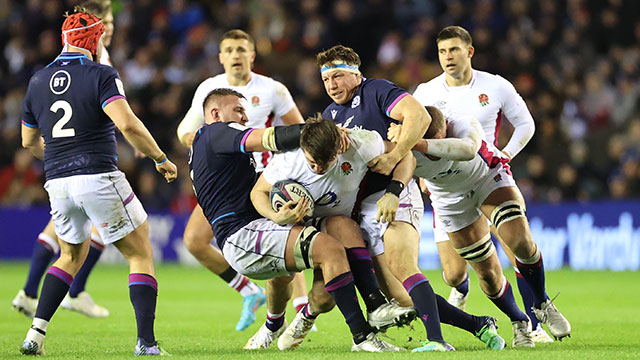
[
  {"x": 111, "y": 87},
  {"x": 368, "y": 144},
  {"x": 388, "y": 95},
  {"x": 228, "y": 138},
  {"x": 283, "y": 102},
  {"x": 28, "y": 118},
  {"x": 279, "y": 167},
  {"x": 515, "y": 110}
]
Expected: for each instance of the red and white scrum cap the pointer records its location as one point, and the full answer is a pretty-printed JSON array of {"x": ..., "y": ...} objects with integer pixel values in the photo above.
[{"x": 82, "y": 30}]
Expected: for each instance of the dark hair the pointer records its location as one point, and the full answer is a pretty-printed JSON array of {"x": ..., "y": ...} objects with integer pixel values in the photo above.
[
  {"x": 437, "y": 122},
  {"x": 237, "y": 34},
  {"x": 218, "y": 93},
  {"x": 321, "y": 139},
  {"x": 451, "y": 32},
  {"x": 338, "y": 52}
]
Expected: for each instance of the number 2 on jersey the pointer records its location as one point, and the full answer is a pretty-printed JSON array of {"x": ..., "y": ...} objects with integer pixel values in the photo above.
[{"x": 67, "y": 111}]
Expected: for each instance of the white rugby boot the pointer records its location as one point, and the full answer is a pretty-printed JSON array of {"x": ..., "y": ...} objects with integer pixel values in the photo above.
[
  {"x": 373, "y": 344},
  {"x": 550, "y": 315},
  {"x": 295, "y": 333},
  {"x": 458, "y": 299},
  {"x": 539, "y": 335},
  {"x": 85, "y": 305},
  {"x": 391, "y": 314},
  {"x": 522, "y": 334},
  {"x": 263, "y": 338},
  {"x": 25, "y": 304}
]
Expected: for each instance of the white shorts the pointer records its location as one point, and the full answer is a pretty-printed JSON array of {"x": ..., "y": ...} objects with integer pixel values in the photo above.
[
  {"x": 455, "y": 211},
  {"x": 257, "y": 249},
  {"x": 410, "y": 211},
  {"x": 104, "y": 200}
]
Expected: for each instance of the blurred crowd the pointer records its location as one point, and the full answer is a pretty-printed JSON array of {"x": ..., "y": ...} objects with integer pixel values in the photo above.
[{"x": 575, "y": 62}]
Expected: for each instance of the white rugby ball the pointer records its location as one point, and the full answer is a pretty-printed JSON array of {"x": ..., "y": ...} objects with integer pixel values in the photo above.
[{"x": 287, "y": 190}]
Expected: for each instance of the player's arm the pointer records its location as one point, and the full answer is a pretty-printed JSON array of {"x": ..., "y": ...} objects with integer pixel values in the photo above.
[
  {"x": 402, "y": 174},
  {"x": 415, "y": 121},
  {"x": 277, "y": 138},
  {"x": 33, "y": 141},
  {"x": 139, "y": 137},
  {"x": 187, "y": 128},
  {"x": 515, "y": 110},
  {"x": 462, "y": 147},
  {"x": 293, "y": 117},
  {"x": 289, "y": 213}
]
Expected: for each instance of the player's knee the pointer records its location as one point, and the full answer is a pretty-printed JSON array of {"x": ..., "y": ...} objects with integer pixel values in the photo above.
[
  {"x": 454, "y": 275},
  {"x": 193, "y": 241}
]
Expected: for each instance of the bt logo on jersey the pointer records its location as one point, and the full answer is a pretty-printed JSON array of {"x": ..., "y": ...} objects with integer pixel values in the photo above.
[{"x": 60, "y": 82}]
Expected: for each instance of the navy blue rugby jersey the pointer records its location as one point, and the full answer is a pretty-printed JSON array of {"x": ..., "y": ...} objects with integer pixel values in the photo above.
[
  {"x": 65, "y": 100},
  {"x": 369, "y": 109},
  {"x": 223, "y": 174}
]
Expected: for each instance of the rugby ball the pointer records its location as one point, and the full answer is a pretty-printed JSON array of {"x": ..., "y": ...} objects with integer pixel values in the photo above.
[{"x": 287, "y": 190}]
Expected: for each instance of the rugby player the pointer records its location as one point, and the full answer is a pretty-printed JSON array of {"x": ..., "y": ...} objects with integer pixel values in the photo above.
[
  {"x": 468, "y": 177},
  {"x": 46, "y": 245},
  {"x": 490, "y": 99},
  {"x": 373, "y": 104},
  {"x": 73, "y": 104},
  {"x": 270, "y": 103}
]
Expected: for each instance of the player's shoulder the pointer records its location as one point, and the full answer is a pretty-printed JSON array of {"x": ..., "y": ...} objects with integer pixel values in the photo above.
[
  {"x": 368, "y": 83},
  {"x": 431, "y": 87},
  {"x": 493, "y": 80},
  {"x": 213, "y": 82}
]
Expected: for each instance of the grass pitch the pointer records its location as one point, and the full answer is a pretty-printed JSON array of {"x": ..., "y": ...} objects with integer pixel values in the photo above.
[{"x": 197, "y": 313}]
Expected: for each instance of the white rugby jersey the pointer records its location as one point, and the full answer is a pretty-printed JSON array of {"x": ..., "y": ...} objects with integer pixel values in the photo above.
[
  {"x": 266, "y": 101},
  {"x": 449, "y": 176},
  {"x": 489, "y": 98},
  {"x": 335, "y": 191},
  {"x": 105, "y": 59}
]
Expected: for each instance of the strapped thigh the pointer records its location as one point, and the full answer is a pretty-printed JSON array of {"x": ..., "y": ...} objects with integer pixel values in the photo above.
[
  {"x": 302, "y": 247},
  {"x": 506, "y": 212},
  {"x": 478, "y": 251}
]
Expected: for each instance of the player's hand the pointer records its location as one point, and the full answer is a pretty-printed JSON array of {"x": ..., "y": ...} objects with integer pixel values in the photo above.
[
  {"x": 393, "y": 133},
  {"x": 387, "y": 207},
  {"x": 292, "y": 212},
  {"x": 384, "y": 164},
  {"x": 168, "y": 170},
  {"x": 344, "y": 139}
]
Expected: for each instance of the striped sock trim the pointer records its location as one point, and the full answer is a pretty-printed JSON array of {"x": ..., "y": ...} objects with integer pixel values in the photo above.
[
  {"x": 339, "y": 281},
  {"x": 60, "y": 274},
  {"x": 414, "y": 280},
  {"x": 143, "y": 279}
]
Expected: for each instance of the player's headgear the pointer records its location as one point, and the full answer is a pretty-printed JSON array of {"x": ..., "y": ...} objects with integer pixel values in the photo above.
[
  {"x": 82, "y": 30},
  {"x": 339, "y": 65}
]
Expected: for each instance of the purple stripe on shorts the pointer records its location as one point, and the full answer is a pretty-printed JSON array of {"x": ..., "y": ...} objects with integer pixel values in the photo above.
[
  {"x": 393, "y": 104},
  {"x": 358, "y": 254},
  {"x": 61, "y": 274},
  {"x": 128, "y": 199},
  {"x": 341, "y": 283},
  {"x": 258, "y": 242},
  {"x": 143, "y": 279},
  {"x": 413, "y": 280},
  {"x": 404, "y": 205}
]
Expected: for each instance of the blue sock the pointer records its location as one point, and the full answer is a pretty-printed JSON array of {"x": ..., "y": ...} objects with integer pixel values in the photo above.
[
  {"x": 505, "y": 301},
  {"x": 425, "y": 302},
  {"x": 451, "y": 315},
  {"x": 80, "y": 281},
  {"x": 54, "y": 288},
  {"x": 463, "y": 287},
  {"x": 533, "y": 272},
  {"x": 143, "y": 291},
  {"x": 364, "y": 277},
  {"x": 40, "y": 260},
  {"x": 343, "y": 292},
  {"x": 527, "y": 299},
  {"x": 274, "y": 322}
]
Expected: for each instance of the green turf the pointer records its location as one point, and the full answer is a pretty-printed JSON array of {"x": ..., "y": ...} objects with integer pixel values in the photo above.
[{"x": 197, "y": 313}]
